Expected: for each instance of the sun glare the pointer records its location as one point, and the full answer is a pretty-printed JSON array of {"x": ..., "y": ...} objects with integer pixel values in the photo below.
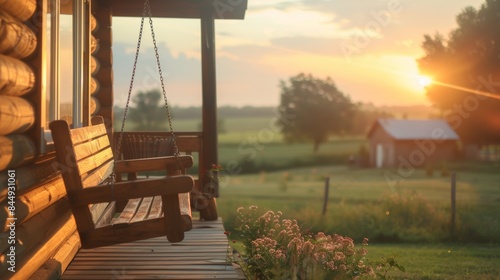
[{"x": 424, "y": 81}]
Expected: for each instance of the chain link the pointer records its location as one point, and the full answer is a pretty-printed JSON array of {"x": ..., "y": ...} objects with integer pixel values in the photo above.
[
  {"x": 157, "y": 55},
  {"x": 146, "y": 11}
]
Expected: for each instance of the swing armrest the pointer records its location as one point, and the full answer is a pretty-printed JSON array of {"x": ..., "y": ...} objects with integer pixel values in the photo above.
[
  {"x": 151, "y": 164},
  {"x": 132, "y": 189}
]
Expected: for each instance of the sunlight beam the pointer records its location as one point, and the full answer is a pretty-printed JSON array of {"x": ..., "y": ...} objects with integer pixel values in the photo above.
[{"x": 478, "y": 92}]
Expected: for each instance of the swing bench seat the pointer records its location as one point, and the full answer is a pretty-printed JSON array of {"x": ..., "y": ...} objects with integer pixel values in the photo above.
[{"x": 86, "y": 161}]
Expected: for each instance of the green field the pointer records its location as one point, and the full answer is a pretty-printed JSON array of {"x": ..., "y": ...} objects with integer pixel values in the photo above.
[{"x": 410, "y": 219}]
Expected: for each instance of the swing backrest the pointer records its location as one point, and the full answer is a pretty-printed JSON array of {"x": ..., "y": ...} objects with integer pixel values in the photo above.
[
  {"x": 85, "y": 159},
  {"x": 146, "y": 145}
]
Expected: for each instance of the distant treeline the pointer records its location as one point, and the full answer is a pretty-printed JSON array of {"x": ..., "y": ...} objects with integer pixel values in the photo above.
[
  {"x": 223, "y": 112},
  {"x": 364, "y": 117}
]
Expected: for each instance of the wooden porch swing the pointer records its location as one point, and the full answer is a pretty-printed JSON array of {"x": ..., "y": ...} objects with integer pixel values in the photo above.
[{"x": 146, "y": 208}]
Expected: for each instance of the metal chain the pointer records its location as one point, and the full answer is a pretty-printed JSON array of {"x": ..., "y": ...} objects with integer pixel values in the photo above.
[
  {"x": 146, "y": 11},
  {"x": 157, "y": 55},
  {"x": 124, "y": 118}
]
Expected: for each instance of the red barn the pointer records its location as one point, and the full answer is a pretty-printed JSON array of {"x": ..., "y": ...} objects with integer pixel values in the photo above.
[{"x": 411, "y": 143}]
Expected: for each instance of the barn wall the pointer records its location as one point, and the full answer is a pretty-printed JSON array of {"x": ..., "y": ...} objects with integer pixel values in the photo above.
[
  {"x": 379, "y": 136},
  {"x": 420, "y": 153}
]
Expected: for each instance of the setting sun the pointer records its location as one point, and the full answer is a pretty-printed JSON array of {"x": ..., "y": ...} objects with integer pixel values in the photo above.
[{"x": 424, "y": 81}]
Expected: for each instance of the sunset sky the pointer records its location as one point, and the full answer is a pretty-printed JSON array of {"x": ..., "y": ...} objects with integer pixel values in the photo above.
[{"x": 368, "y": 47}]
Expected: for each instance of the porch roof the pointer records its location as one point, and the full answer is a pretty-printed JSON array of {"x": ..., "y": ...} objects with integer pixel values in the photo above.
[
  {"x": 220, "y": 9},
  {"x": 416, "y": 129}
]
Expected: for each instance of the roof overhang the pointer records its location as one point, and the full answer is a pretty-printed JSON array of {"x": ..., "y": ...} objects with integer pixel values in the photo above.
[{"x": 220, "y": 9}]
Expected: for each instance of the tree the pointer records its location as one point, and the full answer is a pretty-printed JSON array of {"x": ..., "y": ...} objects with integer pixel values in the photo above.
[
  {"x": 313, "y": 109},
  {"x": 147, "y": 113},
  {"x": 469, "y": 60}
]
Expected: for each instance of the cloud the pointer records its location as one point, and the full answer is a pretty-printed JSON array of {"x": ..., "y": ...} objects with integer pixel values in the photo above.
[{"x": 182, "y": 74}]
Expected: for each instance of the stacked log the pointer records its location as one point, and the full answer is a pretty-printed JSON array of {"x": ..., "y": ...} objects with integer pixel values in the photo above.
[
  {"x": 22, "y": 9},
  {"x": 17, "y": 39},
  {"x": 16, "y": 77},
  {"x": 15, "y": 150},
  {"x": 17, "y": 114},
  {"x": 103, "y": 56}
]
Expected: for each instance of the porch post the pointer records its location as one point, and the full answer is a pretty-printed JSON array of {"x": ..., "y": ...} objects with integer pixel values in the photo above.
[{"x": 209, "y": 112}]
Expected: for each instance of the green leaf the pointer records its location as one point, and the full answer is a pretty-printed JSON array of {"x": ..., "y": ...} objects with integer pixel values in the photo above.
[
  {"x": 400, "y": 267},
  {"x": 379, "y": 275}
]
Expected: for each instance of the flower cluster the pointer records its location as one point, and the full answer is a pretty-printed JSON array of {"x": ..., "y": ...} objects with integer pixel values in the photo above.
[
  {"x": 214, "y": 173},
  {"x": 277, "y": 248}
]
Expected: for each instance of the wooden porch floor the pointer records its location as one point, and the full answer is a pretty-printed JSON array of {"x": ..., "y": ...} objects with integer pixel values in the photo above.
[{"x": 201, "y": 255}]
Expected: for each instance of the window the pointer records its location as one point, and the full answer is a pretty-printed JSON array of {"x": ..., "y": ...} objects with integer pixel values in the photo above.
[{"x": 65, "y": 38}]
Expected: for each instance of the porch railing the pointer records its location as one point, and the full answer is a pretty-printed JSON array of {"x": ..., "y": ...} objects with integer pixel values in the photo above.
[{"x": 188, "y": 143}]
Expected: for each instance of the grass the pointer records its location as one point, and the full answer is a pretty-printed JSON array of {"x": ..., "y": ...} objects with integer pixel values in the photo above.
[
  {"x": 413, "y": 215},
  {"x": 441, "y": 261}
]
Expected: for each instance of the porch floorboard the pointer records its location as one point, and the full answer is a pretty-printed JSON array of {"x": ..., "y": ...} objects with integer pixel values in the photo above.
[{"x": 203, "y": 254}]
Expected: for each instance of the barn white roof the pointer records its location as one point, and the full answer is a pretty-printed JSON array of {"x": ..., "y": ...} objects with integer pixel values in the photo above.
[{"x": 416, "y": 129}]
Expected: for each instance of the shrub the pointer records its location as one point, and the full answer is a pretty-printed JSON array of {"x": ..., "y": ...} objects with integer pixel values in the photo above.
[{"x": 278, "y": 248}]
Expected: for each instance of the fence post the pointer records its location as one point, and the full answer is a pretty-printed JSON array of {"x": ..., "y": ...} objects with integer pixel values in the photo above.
[
  {"x": 325, "y": 199},
  {"x": 453, "y": 201}
]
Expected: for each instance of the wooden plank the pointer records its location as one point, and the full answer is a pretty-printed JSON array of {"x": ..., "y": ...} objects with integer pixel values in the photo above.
[
  {"x": 135, "y": 189},
  {"x": 97, "y": 176},
  {"x": 156, "y": 163},
  {"x": 97, "y": 211},
  {"x": 143, "y": 210},
  {"x": 16, "y": 77},
  {"x": 68, "y": 250},
  {"x": 156, "y": 258},
  {"x": 16, "y": 39},
  {"x": 94, "y": 161},
  {"x": 107, "y": 215},
  {"x": 110, "y": 235},
  {"x": 16, "y": 115},
  {"x": 87, "y": 149},
  {"x": 128, "y": 213},
  {"x": 15, "y": 150},
  {"x": 22, "y": 9},
  {"x": 83, "y": 134},
  {"x": 156, "y": 208},
  {"x": 53, "y": 268}
]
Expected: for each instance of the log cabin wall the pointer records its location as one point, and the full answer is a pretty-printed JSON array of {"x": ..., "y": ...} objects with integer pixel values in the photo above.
[
  {"x": 46, "y": 239},
  {"x": 103, "y": 73}
]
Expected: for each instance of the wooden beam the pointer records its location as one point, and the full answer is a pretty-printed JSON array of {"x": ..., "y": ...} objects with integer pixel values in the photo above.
[
  {"x": 209, "y": 155},
  {"x": 220, "y": 9},
  {"x": 209, "y": 95},
  {"x": 38, "y": 62}
]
